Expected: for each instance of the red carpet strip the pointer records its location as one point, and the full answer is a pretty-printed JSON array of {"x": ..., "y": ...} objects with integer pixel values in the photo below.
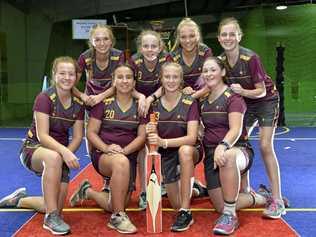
[{"x": 94, "y": 223}]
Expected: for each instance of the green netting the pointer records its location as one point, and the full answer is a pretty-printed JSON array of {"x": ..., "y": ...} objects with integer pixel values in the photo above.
[{"x": 264, "y": 29}]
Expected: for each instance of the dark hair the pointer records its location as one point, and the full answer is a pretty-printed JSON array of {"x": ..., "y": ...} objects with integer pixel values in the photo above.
[
  {"x": 124, "y": 65},
  {"x": 220, "y": 63}
]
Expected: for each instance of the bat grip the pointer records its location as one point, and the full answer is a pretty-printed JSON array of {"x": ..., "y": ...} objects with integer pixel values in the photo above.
[
  {"x": 152, "y": 148},
  {"x": 153, "y": 119}
]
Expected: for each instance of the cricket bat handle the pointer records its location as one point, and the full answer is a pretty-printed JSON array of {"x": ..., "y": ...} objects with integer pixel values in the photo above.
[{"x": 153, "y": 119}]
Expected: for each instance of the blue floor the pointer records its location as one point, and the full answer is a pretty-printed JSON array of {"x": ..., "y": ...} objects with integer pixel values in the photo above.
[{"x": 296, "y": 151}]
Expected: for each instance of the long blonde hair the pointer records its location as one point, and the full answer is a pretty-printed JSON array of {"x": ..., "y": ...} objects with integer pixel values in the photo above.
[{"x": 186, "y": 22}]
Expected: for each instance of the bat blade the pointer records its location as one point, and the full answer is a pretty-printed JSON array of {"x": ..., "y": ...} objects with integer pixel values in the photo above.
[{"x": 153, "y": 193}]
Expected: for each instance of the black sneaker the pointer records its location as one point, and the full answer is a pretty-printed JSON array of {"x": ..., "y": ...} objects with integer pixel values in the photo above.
[
  {"x": 199, "y": 190},
  {"x": 183, "y": 222}
]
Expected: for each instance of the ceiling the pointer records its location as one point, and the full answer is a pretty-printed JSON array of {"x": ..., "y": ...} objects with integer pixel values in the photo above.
[{"x": 139, "y": 10}]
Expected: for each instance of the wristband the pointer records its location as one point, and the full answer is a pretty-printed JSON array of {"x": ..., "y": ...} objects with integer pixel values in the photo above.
[
  {"x": 165, "y": 144},
  {"x": 226, "y": 144}
]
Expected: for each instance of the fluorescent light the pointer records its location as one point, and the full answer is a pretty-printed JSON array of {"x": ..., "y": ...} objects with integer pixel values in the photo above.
[{"x": 281, "y": 7}]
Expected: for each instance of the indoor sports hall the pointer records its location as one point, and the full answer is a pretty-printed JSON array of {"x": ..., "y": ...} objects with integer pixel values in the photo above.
[{"x": 33, "y": 33}]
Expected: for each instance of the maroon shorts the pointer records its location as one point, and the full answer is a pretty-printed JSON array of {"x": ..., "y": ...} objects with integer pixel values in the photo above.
[
  {"x": 26, "y": 153},
  {"x": 96, "y": 156}
]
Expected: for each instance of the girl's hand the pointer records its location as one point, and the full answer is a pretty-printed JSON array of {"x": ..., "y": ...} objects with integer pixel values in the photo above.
[
  {"x": 154, "y": 139},
  {"x": 84, "y": 98},
  {"x": 237, "y": 88},
  {"x": 70, "y": 159},
  {"x": 114, "y": 149},
  {"x": 95, "y": 99},
  {"x": 142, "y": 106},
  {"x": 151, "y": 128},
  {"x": 219, "y": 156},
  {"x": 188, "y": 90}
]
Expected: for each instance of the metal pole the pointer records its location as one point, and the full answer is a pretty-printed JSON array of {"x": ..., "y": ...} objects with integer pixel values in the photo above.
[{"x": 185, "y": 8}]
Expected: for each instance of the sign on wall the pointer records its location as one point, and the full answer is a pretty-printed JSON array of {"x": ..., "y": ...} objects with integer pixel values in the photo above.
[{"x": 81, "y": 28}]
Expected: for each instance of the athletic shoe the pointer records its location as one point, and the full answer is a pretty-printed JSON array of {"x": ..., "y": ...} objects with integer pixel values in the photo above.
[
  {"x": 121, "y": 223},
  {"x": 267, "y": 193},
  {"x": 80, "y": 194},
  {"x": 183, "y": 222},
  {"x": 274, "y": 210},
  {"x": 55, "y": 224},
  {"x": 199, "y": 190},
  {"x": 142, "y": 202},
  {"x": 226, "y": 224},
  {"x": 13, "y": 199}
]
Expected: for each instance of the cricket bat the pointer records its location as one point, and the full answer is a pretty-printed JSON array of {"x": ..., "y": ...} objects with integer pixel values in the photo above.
[{"x": 153, "y": 191}]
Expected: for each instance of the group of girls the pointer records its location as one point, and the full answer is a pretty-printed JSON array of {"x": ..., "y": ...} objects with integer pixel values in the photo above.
[{"x": 203, "y": 104}]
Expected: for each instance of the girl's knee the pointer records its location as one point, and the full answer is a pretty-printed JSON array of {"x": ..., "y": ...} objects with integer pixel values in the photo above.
[
  {"x": 231, "y": 156},
  {"x": 186, "y": 153},
  {"x": 54, "y": 159},
  {"x": 121, "y": 164}
]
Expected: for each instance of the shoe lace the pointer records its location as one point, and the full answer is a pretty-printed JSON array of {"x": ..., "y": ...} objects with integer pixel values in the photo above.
[
  {"x": 225, "y": 219},
  {"x": 181, "y": 217},
  {"x": 55, "y": 219}
]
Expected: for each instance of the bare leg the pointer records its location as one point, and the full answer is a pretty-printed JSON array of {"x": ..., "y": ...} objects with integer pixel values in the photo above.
[
  {"x": 173, "y": 194},
  {"x": 116, "y": 166},
  {"x": 245, "y": 184},
  {"x": 142, "y": 169},
  {"x": 62, "y": 196},
  {"x": 217, "y": 199},
  {"x": 230, "y": 176},
  {"x": 101, "y": 198},
  {"x": 270, "y": 160},
  {"x": 36, "y": 203},
  {"x": 186, "y": 155},
  {"x": 50, "y": 162},
  {"x": 246, "y": 200}
]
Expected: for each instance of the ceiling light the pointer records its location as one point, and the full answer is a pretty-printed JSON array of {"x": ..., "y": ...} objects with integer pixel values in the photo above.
[{"x": 281, "y": 7}]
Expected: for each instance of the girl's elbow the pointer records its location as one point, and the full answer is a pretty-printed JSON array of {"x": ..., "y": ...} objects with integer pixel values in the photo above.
[
  {"x": 41, "y": 137},
  {"x": 263, "y": 94},
  {"x": 90, "y": 135},
  {"x": 77, "y": 138},
  {"x": 192, "y": 140}
]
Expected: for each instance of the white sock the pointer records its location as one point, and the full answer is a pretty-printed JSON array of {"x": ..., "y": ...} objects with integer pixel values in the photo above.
[{"x": 230, "y": 208}]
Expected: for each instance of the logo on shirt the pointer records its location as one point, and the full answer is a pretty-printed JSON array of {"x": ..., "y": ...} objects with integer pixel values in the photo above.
[{"x": 139, "y": 76}]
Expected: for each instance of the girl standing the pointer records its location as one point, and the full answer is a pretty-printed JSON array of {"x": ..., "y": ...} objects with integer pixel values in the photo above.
[{"x": 247, "y": 77}]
